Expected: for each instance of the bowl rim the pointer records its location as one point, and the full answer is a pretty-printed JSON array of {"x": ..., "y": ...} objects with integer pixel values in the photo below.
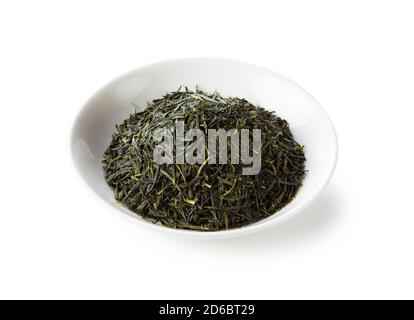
[{"x": 221, "y": 234}]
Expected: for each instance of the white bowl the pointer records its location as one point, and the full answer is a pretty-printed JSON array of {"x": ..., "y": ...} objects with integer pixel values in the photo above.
[{"x": 111, "y": 105}]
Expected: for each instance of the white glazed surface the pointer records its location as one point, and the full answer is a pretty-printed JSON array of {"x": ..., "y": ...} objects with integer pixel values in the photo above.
[{"x": 112, "y": 104}]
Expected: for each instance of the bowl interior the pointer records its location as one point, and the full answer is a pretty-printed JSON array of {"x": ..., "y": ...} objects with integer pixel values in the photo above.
[{"x": 111, "y": 105}]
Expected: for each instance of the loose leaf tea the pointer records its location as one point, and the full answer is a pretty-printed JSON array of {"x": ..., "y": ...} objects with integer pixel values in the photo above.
[{"x": 207, "y": 195}]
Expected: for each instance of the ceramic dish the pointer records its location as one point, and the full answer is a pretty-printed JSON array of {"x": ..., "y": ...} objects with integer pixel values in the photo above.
[{"x": 112, "y": 104}]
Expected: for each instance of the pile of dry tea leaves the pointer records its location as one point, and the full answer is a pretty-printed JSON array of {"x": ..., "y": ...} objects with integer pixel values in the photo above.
[{"x": 203, "y": 196}]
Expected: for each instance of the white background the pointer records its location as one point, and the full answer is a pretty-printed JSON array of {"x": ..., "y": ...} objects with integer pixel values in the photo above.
[{"x": 58, "y": 240}]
